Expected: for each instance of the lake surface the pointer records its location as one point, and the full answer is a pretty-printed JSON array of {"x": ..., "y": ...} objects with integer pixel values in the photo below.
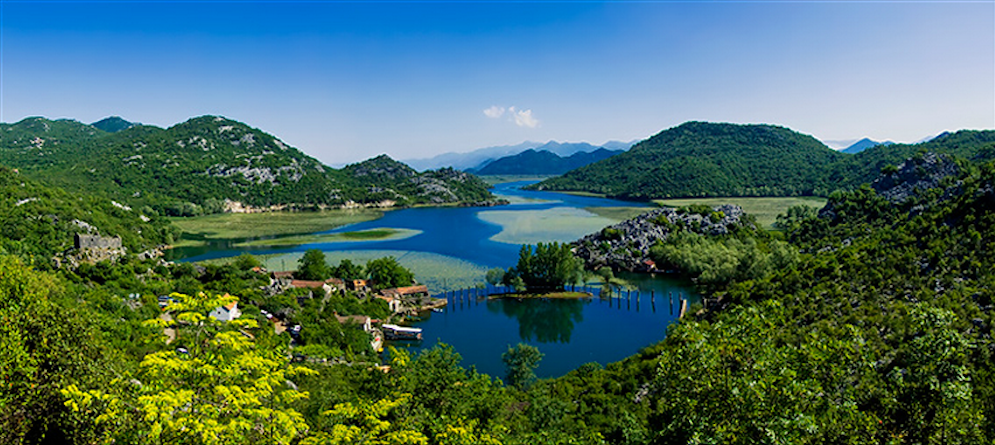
[{"x": 453, "y": 250}]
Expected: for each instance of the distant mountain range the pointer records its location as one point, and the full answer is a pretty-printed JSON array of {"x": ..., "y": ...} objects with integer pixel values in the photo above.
[
  {"x": 862, "y": 145},
  {"x": 712, "y": 159},
  {"x": 477, "y": 159},
  {"x": 542, "y": 162},
  {"x": 204, "y": 161}
]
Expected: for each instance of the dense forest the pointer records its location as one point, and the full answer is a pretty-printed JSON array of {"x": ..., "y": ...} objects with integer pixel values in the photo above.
[
  {"x": 195, "y": 166},
  {"x": 698, "y": 159}
]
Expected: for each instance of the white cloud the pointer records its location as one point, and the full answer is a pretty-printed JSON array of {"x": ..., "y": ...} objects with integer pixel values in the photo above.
[
  {"x": 494, "y": 112},
  {"x": 523, "y": 118}
]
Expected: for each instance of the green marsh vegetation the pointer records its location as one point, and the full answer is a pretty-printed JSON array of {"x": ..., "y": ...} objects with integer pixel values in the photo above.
[
  {"x": 501, "y": 179},
  {"x": 267, "y": 224},
  {"x": 555, "y": 224},
  {"x": 618, "y": 214},
  {"x": 379, "y": 234},
  {"x": 765, "y": 210}
]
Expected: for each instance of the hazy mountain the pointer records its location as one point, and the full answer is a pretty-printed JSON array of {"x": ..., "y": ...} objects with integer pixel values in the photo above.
[
  {"x": 862, "y": 145},
  {"x": 543, "y": 162},
  {"x": 113, "y": 124},
  {"x": 479, "y": 158},
  {"x": 462, "y": 161},
  {"x": 839, "y": 144}
]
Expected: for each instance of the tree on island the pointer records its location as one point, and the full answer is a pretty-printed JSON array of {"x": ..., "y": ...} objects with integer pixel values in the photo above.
[
  {"x": 312, "y": 266},
  {"x": 386, "y": 272},
  {"x": 547, "y": 267}
]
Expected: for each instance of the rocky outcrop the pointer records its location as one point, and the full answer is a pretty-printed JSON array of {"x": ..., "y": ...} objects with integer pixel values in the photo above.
[
  {"x": 915, "y": 175},
  {"x": 626, "y": 245},
  {"x": 901, "y": 185}
]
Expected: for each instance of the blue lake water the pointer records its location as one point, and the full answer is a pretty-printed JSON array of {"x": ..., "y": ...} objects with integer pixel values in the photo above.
[{"x": 569, "y": 332}]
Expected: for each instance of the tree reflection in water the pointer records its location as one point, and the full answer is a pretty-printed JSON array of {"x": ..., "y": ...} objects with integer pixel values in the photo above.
[{"x": 546, "y": 320}]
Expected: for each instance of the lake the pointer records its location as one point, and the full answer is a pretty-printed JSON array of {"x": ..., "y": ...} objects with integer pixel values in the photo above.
[{"x": 454, "y": 246}]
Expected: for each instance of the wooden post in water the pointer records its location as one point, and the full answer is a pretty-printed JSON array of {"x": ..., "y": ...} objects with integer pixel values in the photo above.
[{"x": 684, "y": 308}]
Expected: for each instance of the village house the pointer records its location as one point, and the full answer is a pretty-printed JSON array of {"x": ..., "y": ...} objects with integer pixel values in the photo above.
[
  {"x": 395, "y": 296},
  {"x": 325, "y": 288},
  {"x": 393, "y": 303},
  {"x": 226, "y": 313},
  {"x": 360, "y": 285},
  {"x": 336, "y": 284}
]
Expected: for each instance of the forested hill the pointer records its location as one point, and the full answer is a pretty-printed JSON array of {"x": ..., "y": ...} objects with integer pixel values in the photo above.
[
  {"x": 542, "y": 162},
  {"x": 39, "y": 222},
  {"x": 708, "y": 159},
  {"x": 197, "y": 165}
]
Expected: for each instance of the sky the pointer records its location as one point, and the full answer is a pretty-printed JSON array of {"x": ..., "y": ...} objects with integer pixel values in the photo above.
[{"x": 344, "y": 81}]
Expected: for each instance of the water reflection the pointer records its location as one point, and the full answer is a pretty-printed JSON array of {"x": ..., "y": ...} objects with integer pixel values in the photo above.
[{"x": 544, "y": 320}]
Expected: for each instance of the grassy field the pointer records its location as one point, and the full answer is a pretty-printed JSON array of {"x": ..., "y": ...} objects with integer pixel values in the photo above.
[
  {"x": 378, "y": 234},
  {"x": 618, "y": 214},
  {"x": 252, "y": 225},
  {"x": 764, "y": 209},
  {"x": 500, "y": 179}
]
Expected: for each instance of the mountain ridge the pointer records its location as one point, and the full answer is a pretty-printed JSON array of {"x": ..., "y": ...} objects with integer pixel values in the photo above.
[{"x": 203, "y": 163}]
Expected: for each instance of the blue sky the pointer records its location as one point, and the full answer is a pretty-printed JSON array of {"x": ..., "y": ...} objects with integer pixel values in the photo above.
[{"x": 344, "y": 81}]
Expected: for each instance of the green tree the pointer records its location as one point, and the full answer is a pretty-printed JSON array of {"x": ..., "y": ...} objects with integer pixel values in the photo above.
[
  {"x": 313, "y": 266},
  {"x": 386, "y": 272},
  {"x": 246, "y": 261},
  {"x": 495, "y": 276},
  {"x": 212, "y": 385},
  {"x": 44, "y": 345},
  {"x": 546, "y": 267},
  {"x": 521, "y": 363},
  {"x": 347, "y": 270}
]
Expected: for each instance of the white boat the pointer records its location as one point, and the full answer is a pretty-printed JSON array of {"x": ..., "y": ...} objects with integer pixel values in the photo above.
[{"x": 395, "y": 332}]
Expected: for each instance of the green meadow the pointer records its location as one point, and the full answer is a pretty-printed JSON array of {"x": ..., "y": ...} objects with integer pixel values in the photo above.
[
  {"x": 501, "y": 179},
  {"x": 764, "y": 209},
  {"x": 618, "y": 214}
]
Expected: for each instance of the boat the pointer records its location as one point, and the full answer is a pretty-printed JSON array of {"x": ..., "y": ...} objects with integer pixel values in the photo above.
[{"x": 395, "y": 332}]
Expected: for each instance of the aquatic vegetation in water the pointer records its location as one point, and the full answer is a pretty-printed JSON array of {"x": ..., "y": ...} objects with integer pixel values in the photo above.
[
  {"x": 439, "y": 272},
  {"x": 562, "y": 224},
  {"x": 378, "y": 234}
]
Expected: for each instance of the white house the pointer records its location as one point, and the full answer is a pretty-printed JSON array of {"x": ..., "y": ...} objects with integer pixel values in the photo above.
[{"x": 228, "y": 312}]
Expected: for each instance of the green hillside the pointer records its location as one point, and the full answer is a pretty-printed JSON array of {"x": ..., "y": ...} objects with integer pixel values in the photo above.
[
  {"x": 699, "y": 159},
  {"x": 195, "y": 166},
  {"x": 852, "y": 171},
  {"x": 39, "y": 222}
]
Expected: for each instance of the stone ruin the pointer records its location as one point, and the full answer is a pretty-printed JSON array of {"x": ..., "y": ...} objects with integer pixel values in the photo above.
[{"x": 82, "y": 242}]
